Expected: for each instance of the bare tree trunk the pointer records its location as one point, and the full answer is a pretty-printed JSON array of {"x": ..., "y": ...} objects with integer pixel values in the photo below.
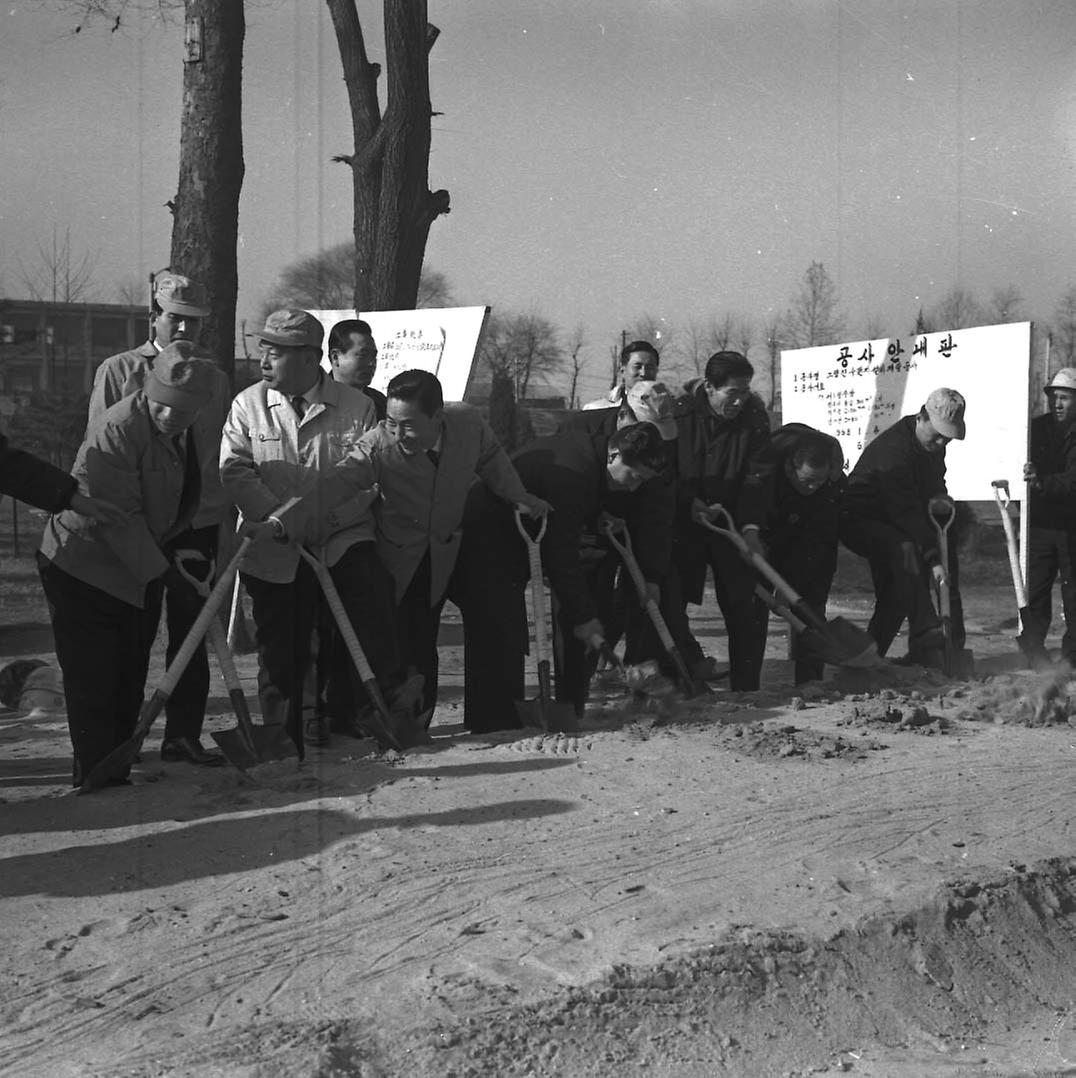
[
  {"x": 205, "y": 231},
  {"x": 393, "y": 206}
]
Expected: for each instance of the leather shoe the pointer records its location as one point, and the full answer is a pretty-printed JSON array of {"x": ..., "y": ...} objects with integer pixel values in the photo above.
[{"x": 189, "y": 750}]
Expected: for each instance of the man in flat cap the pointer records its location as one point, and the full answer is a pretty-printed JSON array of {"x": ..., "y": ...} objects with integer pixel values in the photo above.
[
  {"x": 885, "y": 518},
  {"x": 179, "y": 305},
  {"x": 104, "y": 581},
  {"x": 285, "y": 437}
]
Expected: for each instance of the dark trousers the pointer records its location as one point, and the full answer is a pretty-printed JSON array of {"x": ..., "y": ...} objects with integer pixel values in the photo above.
[
  {"x": 902, "y": 584},
  {"x": 746, "y": 618},
  {"x": 1049, "y": 556},
  {"x": 417, "y": 624},
  {"x": 103, "y": 646},
  {"x": 813, "y": 588},
  {"x": 491, "y": 588},
  {"x": 285, "y": 616},
  {"x": 184, "y": 711}
]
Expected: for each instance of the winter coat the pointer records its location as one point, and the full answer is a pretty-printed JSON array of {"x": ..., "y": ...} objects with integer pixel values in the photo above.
[
  {"x": 125, "y": 460},
  {"x": 1053, "y": 452},
  {"x": 29, "y": 479}
]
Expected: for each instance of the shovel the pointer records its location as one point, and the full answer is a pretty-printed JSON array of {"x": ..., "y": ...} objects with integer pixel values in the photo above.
[
  {"x": 1005, "y": 508},
  {"x": 844, "y": 643},
  {"x": 942, "y": 513},
  {"x": 247, "y": 745},
  {"x": 116, "y": 763},
  {"x": 623, "y": 546},
  {"x": 556, "y": 716},
  {"x": 380, "y": 720},
  {"x": 811, "y": 639}
]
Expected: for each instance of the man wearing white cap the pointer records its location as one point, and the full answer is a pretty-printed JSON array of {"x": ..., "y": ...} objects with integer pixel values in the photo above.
[
  {"x": 885, "y": 519},
  {"x": 1051, "y": 478},
  {"x": 178, "y": 307}
]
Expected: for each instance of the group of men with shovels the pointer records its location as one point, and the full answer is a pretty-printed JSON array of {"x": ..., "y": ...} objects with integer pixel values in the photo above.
[{"x": 379, "y": 521}]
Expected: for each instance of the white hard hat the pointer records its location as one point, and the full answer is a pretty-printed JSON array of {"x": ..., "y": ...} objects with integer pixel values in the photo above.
[{"x": 1064, "y": 379}]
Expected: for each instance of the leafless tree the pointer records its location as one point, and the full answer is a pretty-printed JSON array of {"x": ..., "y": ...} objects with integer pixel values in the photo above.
[
  {"x": 524, "y": 348},
  {"x": 875, "y": 327},
  {"x": 573, "y": 349},
  {"x": 1064, "y": 332},
  {"x": 326, "y": 281},
  {"x": 133, "y": 291},
  {"x": 957, "y": 309},
  {"x": 393, "y": 205},
  {"x": 773, "y": 334},
  {"x": 60, "y": 274},
  {"x": 814, "y": 317},
  {"x": 1006, "y": 305},
  {"x": 205, "y": 208}
]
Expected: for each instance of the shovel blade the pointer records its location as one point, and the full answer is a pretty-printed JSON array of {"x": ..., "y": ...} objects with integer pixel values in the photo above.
[
  {"x": 267, "y": 743},
  {"x": 554, "y": 716},
  {"x": 843, "y": 644}
]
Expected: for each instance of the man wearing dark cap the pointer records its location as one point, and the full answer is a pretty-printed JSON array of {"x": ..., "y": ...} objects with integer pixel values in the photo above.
[
  {"x": 104, "y": 582},
  {"x": 885, "y": 519},
  {"x": 285, "y": 437},
  {"x": 179, "y": 305}
]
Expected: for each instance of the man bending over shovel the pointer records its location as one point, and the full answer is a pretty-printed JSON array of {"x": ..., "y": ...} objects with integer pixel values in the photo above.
[
  {"x": 581, "y": 477},
  {"x": 885, "y": 518},
  {"x": 104, "y": 581}
]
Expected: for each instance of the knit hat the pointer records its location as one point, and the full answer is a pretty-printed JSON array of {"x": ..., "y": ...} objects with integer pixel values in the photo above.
[{"x": 179, "y": 379}]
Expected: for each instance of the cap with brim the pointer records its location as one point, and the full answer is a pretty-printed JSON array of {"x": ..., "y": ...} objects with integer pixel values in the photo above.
[
  {"x": 293, "y": 329},
  {"x": 178, "y": 379},
  {"x": 945, "y": 408},
  {"x": 173, "y": 396},
  {"x": 180, "y": 295}
]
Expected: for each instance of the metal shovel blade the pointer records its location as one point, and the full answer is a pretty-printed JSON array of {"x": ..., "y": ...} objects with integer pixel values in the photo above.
[
  {"x": 267, "y": 743},
  {"x": 851, "y": 645}
]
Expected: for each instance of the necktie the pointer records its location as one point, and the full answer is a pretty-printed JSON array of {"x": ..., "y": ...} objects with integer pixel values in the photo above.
[
  {"x": 434, "y": 456},
  {"x": 299, "y": 404}
]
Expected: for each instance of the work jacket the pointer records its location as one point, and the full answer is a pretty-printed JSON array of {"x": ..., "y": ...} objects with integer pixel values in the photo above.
[
  {"x": 569, "y": 471},
  {"x": 32, "y": 480},
  {"x": 893, "y": 481},
  {"x": 125, "y": 373},
  {"x": 1053, "y": 452},
  {"x": 268, "y": 456},
  {"x": 421, "y": 504},
  {"x": 125, "y": 460}
]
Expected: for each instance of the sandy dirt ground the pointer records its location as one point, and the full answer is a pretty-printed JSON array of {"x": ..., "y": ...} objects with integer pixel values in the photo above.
[{"x": 876, "y": 877}]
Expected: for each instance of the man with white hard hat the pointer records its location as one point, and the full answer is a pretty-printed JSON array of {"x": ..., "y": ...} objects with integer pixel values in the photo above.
[{"x": 1051, "y": 477}]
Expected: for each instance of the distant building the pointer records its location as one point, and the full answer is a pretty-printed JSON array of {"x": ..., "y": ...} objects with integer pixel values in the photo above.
[{"x": 57, "y": 346}]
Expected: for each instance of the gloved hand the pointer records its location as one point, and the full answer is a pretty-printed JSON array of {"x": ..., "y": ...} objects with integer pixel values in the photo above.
[
  {"x": 533, "y": 506},
  {"x": 591, "y": 633},
  {"x": 609, "y": 523}
]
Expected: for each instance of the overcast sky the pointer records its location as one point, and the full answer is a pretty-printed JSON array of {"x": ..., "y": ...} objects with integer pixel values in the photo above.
[{"x": 685, "y": 158}]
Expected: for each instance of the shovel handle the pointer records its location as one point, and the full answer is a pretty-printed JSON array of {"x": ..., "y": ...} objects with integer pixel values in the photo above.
[
  {"x": 351, "y": 641},
  {"x": 624, "y": 549},
  {"x": 1001, "y": 496},
  {"x": 541, "y": 614}
]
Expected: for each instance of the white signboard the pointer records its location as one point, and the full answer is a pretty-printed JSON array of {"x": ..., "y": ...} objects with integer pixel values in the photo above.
[
  {"x": 441, "y": 340},
  {"x": 855, "y": 391}
]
